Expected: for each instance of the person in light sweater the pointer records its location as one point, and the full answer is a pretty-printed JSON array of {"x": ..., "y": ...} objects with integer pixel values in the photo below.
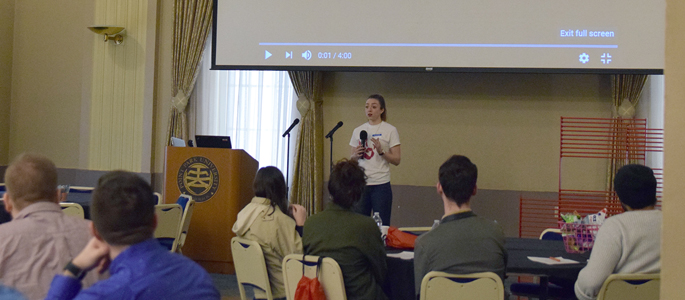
[{"x": 628, "y": 242}]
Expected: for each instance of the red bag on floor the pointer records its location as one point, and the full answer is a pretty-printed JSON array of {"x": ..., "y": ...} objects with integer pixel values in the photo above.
[
  {"x": 310, "y": 288},
  {"x": 400, "y": 239}
]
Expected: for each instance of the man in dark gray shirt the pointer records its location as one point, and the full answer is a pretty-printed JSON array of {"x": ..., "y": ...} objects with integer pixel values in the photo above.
[{"x": 463, "y": 243}]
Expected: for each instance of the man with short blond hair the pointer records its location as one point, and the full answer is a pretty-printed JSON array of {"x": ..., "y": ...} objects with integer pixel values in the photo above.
[{"x": 40, "y": 240}]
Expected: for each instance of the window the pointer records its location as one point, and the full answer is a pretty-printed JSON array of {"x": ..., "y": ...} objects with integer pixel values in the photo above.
[{"x": 254, "y": 108}]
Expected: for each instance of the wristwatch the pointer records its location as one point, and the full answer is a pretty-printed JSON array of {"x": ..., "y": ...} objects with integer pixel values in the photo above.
[{"x": 74, "y": 270}]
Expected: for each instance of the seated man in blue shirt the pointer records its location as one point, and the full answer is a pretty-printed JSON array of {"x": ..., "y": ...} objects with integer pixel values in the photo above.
[
  {"x": 463, "y": 243},
  {"x": 124, "y": 221}
]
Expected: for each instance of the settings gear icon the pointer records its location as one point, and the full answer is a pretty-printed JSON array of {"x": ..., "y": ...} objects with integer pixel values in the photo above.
[{"x": 583, "y": 58}]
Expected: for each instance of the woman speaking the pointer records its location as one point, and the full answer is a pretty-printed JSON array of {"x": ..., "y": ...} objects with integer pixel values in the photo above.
[{"x": 374, "y": 144}]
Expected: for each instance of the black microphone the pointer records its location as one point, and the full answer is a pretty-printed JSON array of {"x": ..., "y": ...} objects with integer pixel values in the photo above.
[
  {"x": 190, "y": 143},
  {"x": 363, "y": 136},
  {"x": 291, "y": 127},
  {"x": 330, "y": 133}
]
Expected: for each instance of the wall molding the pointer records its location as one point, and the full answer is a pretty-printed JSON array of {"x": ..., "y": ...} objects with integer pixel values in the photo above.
[{"x": 79, "y": 177}]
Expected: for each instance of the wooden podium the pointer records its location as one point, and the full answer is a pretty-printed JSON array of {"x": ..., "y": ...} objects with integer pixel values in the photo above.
[{"x": 220, "y": 181}]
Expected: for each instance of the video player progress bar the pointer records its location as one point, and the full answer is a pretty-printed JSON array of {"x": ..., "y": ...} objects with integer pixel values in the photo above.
[{"x": 443, "y": 45}]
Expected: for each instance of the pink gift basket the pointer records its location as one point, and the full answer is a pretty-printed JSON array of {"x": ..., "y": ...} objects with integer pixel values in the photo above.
[{"x": 578, "y": 238}]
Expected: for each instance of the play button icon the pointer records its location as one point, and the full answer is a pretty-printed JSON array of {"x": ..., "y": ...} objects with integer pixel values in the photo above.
[{"x": 267, "y": 54}]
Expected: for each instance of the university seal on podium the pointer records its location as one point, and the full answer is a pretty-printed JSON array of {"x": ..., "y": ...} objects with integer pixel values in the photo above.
[{"x": 198, "y": 177}]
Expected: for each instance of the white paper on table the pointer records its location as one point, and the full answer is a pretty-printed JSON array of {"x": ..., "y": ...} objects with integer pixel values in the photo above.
[
  {"x": 550, "y": 261},
  {"x": 403, "y": 255}
]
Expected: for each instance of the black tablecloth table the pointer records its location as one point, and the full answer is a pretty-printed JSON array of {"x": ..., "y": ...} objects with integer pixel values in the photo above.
[{"x": 400, "y": 277}]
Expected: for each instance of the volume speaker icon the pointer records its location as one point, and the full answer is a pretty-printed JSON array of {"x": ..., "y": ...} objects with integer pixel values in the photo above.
[{"x": 307, "y": 55}]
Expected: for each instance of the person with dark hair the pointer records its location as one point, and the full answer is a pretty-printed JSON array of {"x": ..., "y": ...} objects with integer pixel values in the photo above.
[
  {"x": 375, "y": 155},
  {"x": 463, "y": 243},
  {"x": 124, "y": 221},
  {"x": 274, "y": 224},
  {"x": 352, "y": 240},
  {"x": 40, "y": 239},
  {"x": 629, "y": 242}
]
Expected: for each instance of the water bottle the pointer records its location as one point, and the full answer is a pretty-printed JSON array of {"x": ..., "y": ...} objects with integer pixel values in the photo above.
[
  {"x": 435, "y": 224},
  {"x": 377, "y": 219},
  {"x": 379, "y": 222}
]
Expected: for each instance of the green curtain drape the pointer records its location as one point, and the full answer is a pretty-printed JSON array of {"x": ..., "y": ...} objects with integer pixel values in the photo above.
[
  {"x": 626, "y": 91},
  {"x": 307, "y": 188},
  {"x": 192, "y": 21}
]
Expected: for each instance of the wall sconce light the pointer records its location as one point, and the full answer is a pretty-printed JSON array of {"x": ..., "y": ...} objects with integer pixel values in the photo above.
[{"x": 110, "y": 33}]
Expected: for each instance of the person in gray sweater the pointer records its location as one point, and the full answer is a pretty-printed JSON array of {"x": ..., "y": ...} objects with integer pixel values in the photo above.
[
  {"x": 628, "y": 242},
  {"x": 463, "y": 243}
]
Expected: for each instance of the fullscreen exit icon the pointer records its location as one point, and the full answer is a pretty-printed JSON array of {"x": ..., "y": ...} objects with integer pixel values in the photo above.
[{"x": 605, "y": 58}]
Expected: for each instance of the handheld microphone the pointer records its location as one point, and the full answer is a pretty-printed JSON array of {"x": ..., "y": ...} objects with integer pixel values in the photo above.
[
  {"x": 363, "y": 136},
  {"x": 330, "y": 133},
  {"x": 291, "y": 127}
]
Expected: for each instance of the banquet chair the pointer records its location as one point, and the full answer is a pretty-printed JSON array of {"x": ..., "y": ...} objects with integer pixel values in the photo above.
[
  {"x": 183, "y": 199},
  {"x": 330, "y": 276},
  {"x": 158, "y": 197},
  {"x": 82, "y": 195},
  {"x": 551, "y": 234},
  {"x": 250, "y": 266},
  {"x": 630, "y": 287},
  {"x": 168, "y": 224},
  {"x": 534, "y": 290},
  {"x": 188, "y": 206},
  {"x": 73, "y": 209},
  {"x": 444, "y": 286}
]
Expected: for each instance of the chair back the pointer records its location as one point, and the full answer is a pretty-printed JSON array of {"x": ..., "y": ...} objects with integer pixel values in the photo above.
[
  {"x": 183, "y": 200},
  {"x": 250, "y": 266},
  {"x": 80, "y": 194},
  {"x": 73, "y": 209},
  {"x": 158, "y": 198},
  {"x": 185, "y": 224},
  {"x": 168, "y": 224},
  {"x": 330, "y": 276},
  {"x": 630, "y": 286},
  {"x": 553, "y": 234},
  {"x": 440, "y": 285}
]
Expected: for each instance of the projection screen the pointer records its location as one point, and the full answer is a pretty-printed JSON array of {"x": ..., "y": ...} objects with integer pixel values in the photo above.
[{"x": 440, "y": 35}]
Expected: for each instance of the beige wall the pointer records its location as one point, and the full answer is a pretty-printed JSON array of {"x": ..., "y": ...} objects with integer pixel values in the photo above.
[
  {"x": 47, "y": 78},
  {"x": 121, "y": 97},
  {"x": 673, "y": 243},
  {"x": 6, "y": 36},
  {"x": 63, "y": 76},
  {"x": 508, "y": 124}
]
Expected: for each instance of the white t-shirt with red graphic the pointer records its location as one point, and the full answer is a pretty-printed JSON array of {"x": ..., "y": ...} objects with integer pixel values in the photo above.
[{"x": 376, "y": 168}]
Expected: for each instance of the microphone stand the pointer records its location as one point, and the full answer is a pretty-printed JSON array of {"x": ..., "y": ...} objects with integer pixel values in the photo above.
[
  {"x": 287, "y": 169},
  {"x": 330, "y": 135},
  {"x": 330, "y": 163},
  {"x": 287, "y": 161}
]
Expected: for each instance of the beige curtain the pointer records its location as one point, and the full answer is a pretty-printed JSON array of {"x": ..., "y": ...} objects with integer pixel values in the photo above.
[
  {"x": 626, "y": 91},
  {"x": 307, "y": 189},
  {"x": 192, "y": 21}
]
